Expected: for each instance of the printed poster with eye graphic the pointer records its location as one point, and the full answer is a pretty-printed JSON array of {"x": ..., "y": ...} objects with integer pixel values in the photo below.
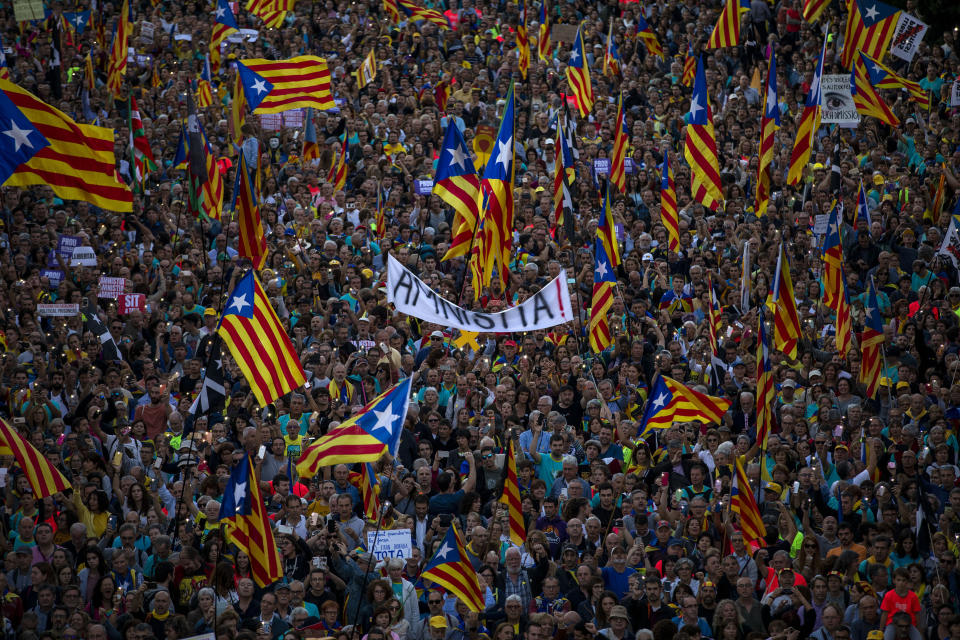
[{"x": 836, "y": 101}]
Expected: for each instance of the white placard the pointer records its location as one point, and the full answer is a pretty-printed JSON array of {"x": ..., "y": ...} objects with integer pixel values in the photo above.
[
  {"x": 955, "y": 94},
  {"x": 390, "y": 544},
  {"x": 836, "y": 101},
  {"x": 111, "y": 287},
  {"x": 146, "y": 32},
  {"x": 547, "y": 308},
  {"x": 820, "y": 223},
  {"x": 907, "y": 37},
  {"x": 83, "y": 257},
  {"x": 58, "y": 310}
]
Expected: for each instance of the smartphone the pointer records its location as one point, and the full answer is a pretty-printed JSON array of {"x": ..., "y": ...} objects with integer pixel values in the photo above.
[
  {"x": 665, "y": 479},
  {"x": 117, "y": 459},
  {"x": 444, "y": 455},
  {"x": 158, "y": 463},
  {"x": 113, "y": 524},
  {"x": 323, "y": 562},
  {"x": 314, "y": 518},
  {"x": 331, "y": 526},
  {"x": 262, "y": 452},
  {"x": 796, "y": 486},
  {"x": 316, "y": 562}
]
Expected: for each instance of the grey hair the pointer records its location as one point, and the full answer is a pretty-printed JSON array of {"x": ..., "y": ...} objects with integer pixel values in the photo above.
[
  {"x": 513, "y": 598},
  {"x": 726, "y": 448},
  {"x": 568, "y": 459},
  {"x": 394, "y": 563}
]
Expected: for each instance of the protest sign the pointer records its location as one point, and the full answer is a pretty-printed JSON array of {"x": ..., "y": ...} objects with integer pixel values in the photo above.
[
  {"x": 53, "y": 275},
  {"x": 820, "y": 223},
  {"x": 547, "y": 308},
  {"x": 146, "y": 32},
  {"x": 955, "y": 94},
  {"x": 58, "y": 310},
  {"x": 390, "y": 544},
  {"x": 83, "y": 257},
  {"x": 27, "y": 10},
  {"x": 423, "y": 187},
  {"x": 950, "y": 247},
  {"x": 601, "y": 166},
  {"x": 65, "y": 246},
  {"x": 836, "y": 101},
  {"x": 907, "y": 37},
  {"x": 111, "y": 287},
  {"x": 131, "y": 302}
]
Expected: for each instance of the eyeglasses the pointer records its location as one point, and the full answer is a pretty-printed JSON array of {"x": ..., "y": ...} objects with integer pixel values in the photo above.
[
  {"x": 434, "y": 601},
  {"x": 395, "y": 608},
  {"x": 486, "y": 456}
]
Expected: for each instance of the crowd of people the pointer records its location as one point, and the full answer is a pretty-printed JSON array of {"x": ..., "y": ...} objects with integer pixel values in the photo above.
[{"x": 625, "y": 536}]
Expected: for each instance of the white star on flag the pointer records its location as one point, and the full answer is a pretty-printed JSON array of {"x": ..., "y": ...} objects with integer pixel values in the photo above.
[
  {"x": 20, "y": 136},
  {"x": 260, "y": 86},
  {"x": 771, "y": 102},
  {"x": 443, "y": 551},
  {"x": 239, "y": 494},
  {"x": 239, "y": 302},
  {"x": 660, "y": 401},
  {"x": 458, "y": 157},
  {"x": 504, "y": 155},
  {"x": 601, "y": 269},
  {"x": 872, "y": 12},
  {"x": 385, "y": 419},
  {"x": 220, "y": 11},
  {"x": 694, "y": 108},
  {"x": 574, "y": 55}
]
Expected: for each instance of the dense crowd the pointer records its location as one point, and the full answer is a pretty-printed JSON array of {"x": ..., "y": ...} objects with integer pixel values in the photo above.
[{"x": 625, "y": 537}]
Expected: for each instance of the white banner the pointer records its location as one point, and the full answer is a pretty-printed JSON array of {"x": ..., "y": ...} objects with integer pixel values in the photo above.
[
  {"x": 58, "y": 310},
  {"x": 111, "y": 287},
  {"x": 83, "y": 257},
  {"x": 836, "y": 101},
  {"x": 907, "y": 37},
  {"x": 955, "y": 94},
  {"x": 410, "y": 295},
  {"x": 390, "y": 544},
  {"x": 950, "y": 247}
]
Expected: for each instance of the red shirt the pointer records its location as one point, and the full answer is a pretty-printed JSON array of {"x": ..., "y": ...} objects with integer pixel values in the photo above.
[{"x": 893, "y": 603}]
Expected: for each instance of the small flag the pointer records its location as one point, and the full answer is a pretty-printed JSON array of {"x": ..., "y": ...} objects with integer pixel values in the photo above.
[
  {"x": 450, "y": 569},
  {"x": 744, "y": 505},
  {"x": 458, "y": 184},
  {"x": 578, "y": 76},
  {"x": 511, "y": 498},
  {"x": 700, "y": 146},
  {"x": 367, "y": 71},
  {"x": 670, "y": 401}
]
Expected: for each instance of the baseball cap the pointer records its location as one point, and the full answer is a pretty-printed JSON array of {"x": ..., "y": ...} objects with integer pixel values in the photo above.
[
  {"x": 570, "y": 547},
  {"x": 436, "y": 334},
  {"x": 438, "y": 622},
  {"x": 773, "y": 486},
  {"x": 510, "y": 343},
  {"x": 647, "y": 256},
  {"x": 789, "y": 384},
  {"x": 815, "y": 372},
  {"x": 663, "y": 523}
]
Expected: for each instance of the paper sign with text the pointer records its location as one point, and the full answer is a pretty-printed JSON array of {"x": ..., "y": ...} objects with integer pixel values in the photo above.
[
  {"x": 131, "y": 302},
  {"x": 83, "y": 257},
  {"x": 58, "y": 310},
  {"x": 907, "y": 37},
  {"x": 111, "y": 287},
  {"x": 390, "y": 544}
]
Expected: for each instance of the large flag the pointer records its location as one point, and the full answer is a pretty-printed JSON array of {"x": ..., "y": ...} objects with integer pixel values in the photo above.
[
  {"x": 871, "y": 344},
  {"x": 248, "y": 527},
  {"x": 272, "y": 12},
  {"x": 246, "y": 204},
  {"x": 812, "y": 9},
  {"x": 612, "y": 64},
  {"x": 117, "y": 65},
  {"x": 458, "y": 184},
  {"x": 809, "y": 122},
  {"x": 142, "y": 156},
  {"x": 497, "y": 185},
  {"x": 578, "y": 75},
  {"x": 22, "y": 140},
  {"x": 109, "y": 350},
  {"x": 607, "y": 232},
  {"x": 700, "y": 146},
  {"x": 416, "y": 13},
  {"x": 338, "y": 170},
  {"x": 744, "y": 505},
  {"x": 689, "y": 67},
  {"x": 648, "y": 37},
  {"x": 726, "y": 33},
  {"x": 870, "y": 26},
  {"x": 786, "y": 320},
  {"x": 392, "y": 10},
  {"x": 365, "y": 437},
  {"x": 766, "y": 392},
  {"x": 604, "y": 280},
  {"x": 770, "y": 123},
  {"x": 561, "y": 192},
  {"x": 45, "y": 479},
  {"x": 668, "y": 205},
  {"x": 450, "y": 569},
  {"x": 196, "y": 152},
  {"x": 274, "y": 86},
  {"x": 224, "y": 24},
  {"x": 670, "y": 401},
  {"x": 523, "y": 42},
  {"x": 256, "y": 339},
  {"x": 511, "y": 497},
  {"x": 883, "y": 77},
  {"x": 77, "y": 164},
  {"x": 311, "y": 150},
  {"x": 367, "y": 71},
  {"x": 211, "y": 188},
  {"x": 543, "y": 41},
  {"x": 863, "y": 207},
  {"x": 618, "y": 165},
  {"x": 866, "y": 98},
  {"x": 212, "y": 397},
  {"x": 834, "y": 287}
]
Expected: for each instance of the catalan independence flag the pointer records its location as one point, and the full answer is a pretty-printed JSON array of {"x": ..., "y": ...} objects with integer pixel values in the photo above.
[
  {"x": 45, "y": 479},
  {"x": 871, "y": 344},
  {"x": 786, "y": 320},
  {"x": 274, "y": 86},
  {"x": 365, "y": 480},
  {"x": 700, "y": 146},
  {"x": 224, "y": 24},
  {"x": 338, "y": 170},
  {"x": 766, "y": 392},
  {"x": 612, "y": 64},
  {"x": 834, "y": 286},
  {"x": 689, "y": 66},
  {"x": 770, "y": 124},
  {"x": 372, "y": 432},
  {"x": 866, "y": 98},
  {"x": 863, "y": 208},
  {"x": 543, "y": 41},
  {"x": 259, "y": 345},
  {"x": 870, "y": 26},
  {"x": 248, "y": 527},
  {"x": 246, "y": 204},
  {"x": 883, "y": 77},
  {"x": 668, "y": 205},
  {"x": 607, "y": 232},
  {"x": 604, "y": 280},
  {"x": 511, "y": 497},
  {"x": 744, "y": 505},
  {"x": 812, "y": 9},
  {"x": 809, "y": 122},
  {"x": 271, "y": 12},
  {"x": 726, "y": 33},
  {"x": 523, "y": 42},
  {"x": 450, "y": 568},
  {"x": 670, "y": 401},
  {"x": 311, "y": 150},
  {"x": 458, "y": 184},
  {"x": 497, "y": 184},
  {"x": 648, "y": 37},
  {"x": 117, "y": 66},
  {"x": 79, "y": 162},
  {"x": 618, "y": 168},
  {"x": 561, "y": 192},
  {"x": 392, "y": 11},
  {"x": 5, "y": 68},
  {"x": 578, "y": 75},
  {"x": 416, "y": 13},
  {"x": 367, "y": 71},
  {"x": 713, "y": 317}
]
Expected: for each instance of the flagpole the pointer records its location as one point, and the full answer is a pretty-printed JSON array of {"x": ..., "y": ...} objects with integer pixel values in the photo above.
[{"x": 366, "y": 572}]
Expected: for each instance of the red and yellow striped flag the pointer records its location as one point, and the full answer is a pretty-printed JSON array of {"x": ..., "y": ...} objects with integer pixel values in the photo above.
[
  {"x": 770, "y": 123},
  {"x": 744, "y": 505},
  {"x": 766, "y": 393},
  {"x": 700, "y": 146},
  {"x": 511, "y": 498},
  {"x": 604, "y": 280},
  {"x": 450, "y": 568},
  {"x": 523, "y": 42},
  {"x": 812, "y": 9},
  {"x": 618, "y": 169},
  {"x": 726, "y": 33},
  {"x": 272, "y": 12},
  {"x": 871, "y": 345},
  {"x": 117, "y": 66},
  {"x": 457, "y": 184},
  {"x": 786, "y": 320},
  {"x": 578, "y": 75},
  {"x": 561, "y": 192},
  {"x": 669, "y": 216},
  {"x": 246, "y": 204},
  {"x": 870, "y": 27},
  {"x": 338, "y": 170},
  {"x": 809, "y": 123},
  {"x": 274, "y": 86},
  {"x": 543, "y": 41},
  {"x": 45, "y": 479},
  {"x": 834, "y": 287},
  {"x": 689, "y": 66},
  {"x": 367, "y": 484}
]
